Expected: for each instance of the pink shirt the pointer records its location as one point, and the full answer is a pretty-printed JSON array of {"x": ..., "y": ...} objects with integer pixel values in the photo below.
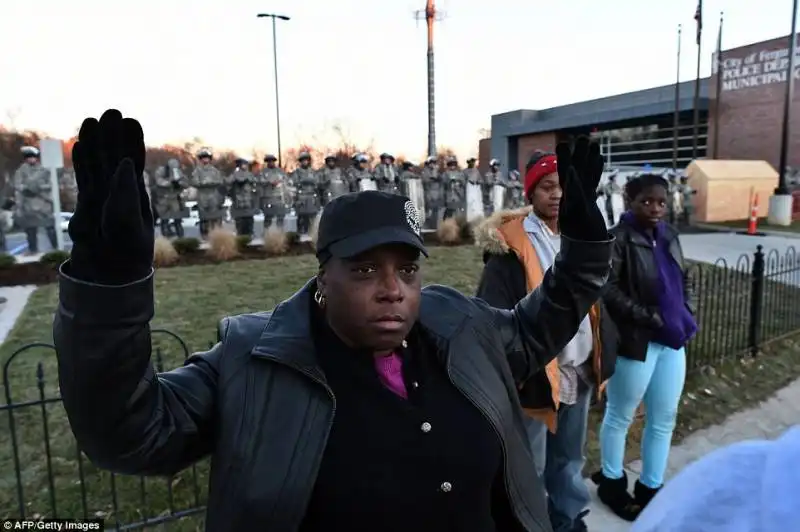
[{"x": 390, "y": 372}]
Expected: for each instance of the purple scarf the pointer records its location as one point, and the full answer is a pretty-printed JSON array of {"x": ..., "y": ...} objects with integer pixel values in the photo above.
[{"x": 679, "y": 324}]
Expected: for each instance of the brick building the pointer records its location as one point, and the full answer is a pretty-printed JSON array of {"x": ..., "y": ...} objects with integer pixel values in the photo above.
[{"x": 637, "y": 128}]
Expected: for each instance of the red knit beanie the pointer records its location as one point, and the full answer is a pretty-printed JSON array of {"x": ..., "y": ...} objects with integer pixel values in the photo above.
[{"x": 540, "y": 165}]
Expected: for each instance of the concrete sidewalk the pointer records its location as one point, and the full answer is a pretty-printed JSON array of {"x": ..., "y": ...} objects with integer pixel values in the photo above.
[{"x": 766, "y": 421}]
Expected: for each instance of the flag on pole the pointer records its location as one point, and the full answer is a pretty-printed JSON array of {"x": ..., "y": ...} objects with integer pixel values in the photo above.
[
  {"x": 718, "y": 62},
  {"x": 698, "y": 16}
]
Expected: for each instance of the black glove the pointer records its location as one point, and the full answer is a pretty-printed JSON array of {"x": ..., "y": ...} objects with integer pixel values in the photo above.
[
  {"x": 579, "y": 171},
  {"x": 9, "y": 204},
  {"x": 112, "y": 228}
]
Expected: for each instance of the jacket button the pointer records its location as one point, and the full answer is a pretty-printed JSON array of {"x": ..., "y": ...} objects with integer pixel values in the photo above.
[
  {"x": 446, "y": 487},
  {"x": 426, "y": 427}
]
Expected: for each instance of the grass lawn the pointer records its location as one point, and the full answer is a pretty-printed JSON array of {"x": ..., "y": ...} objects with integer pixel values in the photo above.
[{"x": 191, "y": 300}]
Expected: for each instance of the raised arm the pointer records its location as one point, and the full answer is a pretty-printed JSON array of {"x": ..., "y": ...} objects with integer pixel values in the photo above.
[
  {"x": 124, "y": 416},
  {"x": 540, "y": 325}
]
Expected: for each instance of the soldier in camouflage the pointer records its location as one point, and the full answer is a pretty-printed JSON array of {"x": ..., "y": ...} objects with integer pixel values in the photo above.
[
  {"x": 471, "y": 173},
  {"x": 515, "y": 196},
  {"x": 243, "y": 191},
  {"x": 6, "y": 206},
  {"x": 33, "y": 200},
  {"x": 493, "y": 177},
  {"x": 360, "y": 172},
  {"x": 407, "y": 171},
  {"x": 386, "y": 174},
  {"x": 274, "y": 197},
  {"x": 68, "y": 190},
  {"x": 455, "y": 190},
  {"x": 169, "y": 182},
  {"x": 434, "y": 193},
  {"x": 208, "y": 182},
  {"x": 332, "y": 181},
  {"x": 307, "y": 203},
  {"x": 148, "y": 187}
]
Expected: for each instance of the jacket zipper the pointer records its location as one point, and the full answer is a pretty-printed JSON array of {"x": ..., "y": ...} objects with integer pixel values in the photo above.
[{"x": 500, "y": 437}]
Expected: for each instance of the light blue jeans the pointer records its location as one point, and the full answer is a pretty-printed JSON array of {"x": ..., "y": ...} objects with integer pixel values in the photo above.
[
  {"x": 659, "y": 382},
  {"x": 559, "y": 461}
]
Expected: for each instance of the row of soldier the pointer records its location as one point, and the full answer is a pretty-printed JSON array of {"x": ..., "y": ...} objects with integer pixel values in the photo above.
[{"x": 440, "y": 195}]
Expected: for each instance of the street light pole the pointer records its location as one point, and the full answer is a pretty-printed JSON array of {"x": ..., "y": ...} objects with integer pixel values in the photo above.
[
  {"x": 780, "y": 203},
  {"x": 787, "y": 106},
  {"x": 274, "y": 16}
]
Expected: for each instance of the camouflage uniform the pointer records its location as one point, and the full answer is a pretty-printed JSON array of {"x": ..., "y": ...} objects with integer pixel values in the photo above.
[
  {"x": 687, "y": 196},
  {"x": 33, "y": 200},
  {"x": 169, "y": 181},
  {"x": 243, "y": 191},
  {"x": 332, "y": 181},
  {"x": 148, "y": 187},
  {"x": 6, "y": 205},
  {"x": 274, "y": 197},
  {"x": 490, "y": 179},
  {"x": 209, "y": 183},
  {"x": 434, "y": 193},
  {"x": 360, "y": 172},
  {"x": 307, "y": 203},
  {"x": 68, "y": 190},
  {"x": 455, "y": 190},
  {"x": 514, "y": 197},
  {"x": 386, "y": 174}
]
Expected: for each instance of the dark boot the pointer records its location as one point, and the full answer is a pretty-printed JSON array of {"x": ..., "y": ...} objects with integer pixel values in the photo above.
[
  {"x": 179, "y": 228},
  {"x": 166, "y": 230},
  {"x": 51, "y": 236},
  {"x": 642, "y": 495},
  {"x": 614, "y": 494}
]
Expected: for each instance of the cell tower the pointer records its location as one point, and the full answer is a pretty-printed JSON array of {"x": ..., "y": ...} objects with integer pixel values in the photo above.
[{"x": 431, "y": 15}]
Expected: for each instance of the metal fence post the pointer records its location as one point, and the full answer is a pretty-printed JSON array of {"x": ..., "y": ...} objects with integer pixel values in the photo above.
[{"x": 756, "y": 301}]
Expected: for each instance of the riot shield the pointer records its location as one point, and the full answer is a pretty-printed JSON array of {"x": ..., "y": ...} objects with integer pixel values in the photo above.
[
  {"x": 617, "y": 206},
  {"x": 498, "y": 197},
  {"x": 417, "y": 196},
  {"x": 367, "y": 184},
  {"x": 474, "y": 202}
]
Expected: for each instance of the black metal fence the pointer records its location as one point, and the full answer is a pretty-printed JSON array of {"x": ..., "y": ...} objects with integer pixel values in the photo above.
[{"x": 42, "y": 473}]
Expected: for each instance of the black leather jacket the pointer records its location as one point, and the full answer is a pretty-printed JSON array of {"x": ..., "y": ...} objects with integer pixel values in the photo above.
[
  {"x": 631, "y": 295},
  {"x": 258, "y": 401}
]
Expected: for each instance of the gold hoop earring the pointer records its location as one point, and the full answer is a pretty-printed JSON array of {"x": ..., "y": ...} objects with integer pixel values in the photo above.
[{"x": 319, "y": 299}]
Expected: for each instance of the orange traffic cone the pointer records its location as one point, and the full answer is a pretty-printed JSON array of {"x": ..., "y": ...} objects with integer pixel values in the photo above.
[{"x": 751, "y": 227}]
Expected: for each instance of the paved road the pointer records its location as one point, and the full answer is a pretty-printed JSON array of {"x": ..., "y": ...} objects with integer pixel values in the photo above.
[{"x": 767, "y": 420}]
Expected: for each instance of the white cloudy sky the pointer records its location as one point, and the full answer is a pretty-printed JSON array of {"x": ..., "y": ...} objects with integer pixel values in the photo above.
[{"x": 203, "y": 68}]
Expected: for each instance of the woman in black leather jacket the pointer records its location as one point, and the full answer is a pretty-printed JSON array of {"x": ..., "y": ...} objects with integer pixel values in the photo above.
[
  {"x": 364, "y": 402},
  {"x": 648, "y": 301}
]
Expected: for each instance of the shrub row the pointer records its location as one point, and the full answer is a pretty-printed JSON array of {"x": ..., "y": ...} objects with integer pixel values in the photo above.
[{"x": 224, "y": 245}]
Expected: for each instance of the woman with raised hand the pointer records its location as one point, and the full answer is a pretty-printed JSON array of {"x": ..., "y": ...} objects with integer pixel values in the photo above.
[{"x": 363, "y": 402}]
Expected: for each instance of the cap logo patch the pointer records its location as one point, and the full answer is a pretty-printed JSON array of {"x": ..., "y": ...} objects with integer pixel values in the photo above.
[{"x": 412, "y": 217}]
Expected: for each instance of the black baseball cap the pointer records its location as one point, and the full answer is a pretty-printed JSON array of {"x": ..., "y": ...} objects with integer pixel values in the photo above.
[{"x": 354, "y": 223}]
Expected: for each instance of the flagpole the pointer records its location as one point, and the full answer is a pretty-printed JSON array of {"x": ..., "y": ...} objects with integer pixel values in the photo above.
[
  {"x": 717, "y": 106},
  {"x": 676, "y": 114},
  {"x": 696, "y": 121}
]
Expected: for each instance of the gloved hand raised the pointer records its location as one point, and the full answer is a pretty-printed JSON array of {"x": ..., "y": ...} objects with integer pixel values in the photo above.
[
  {"x": 579, "y": 171},
  {"x": 112, "y": 228}
]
